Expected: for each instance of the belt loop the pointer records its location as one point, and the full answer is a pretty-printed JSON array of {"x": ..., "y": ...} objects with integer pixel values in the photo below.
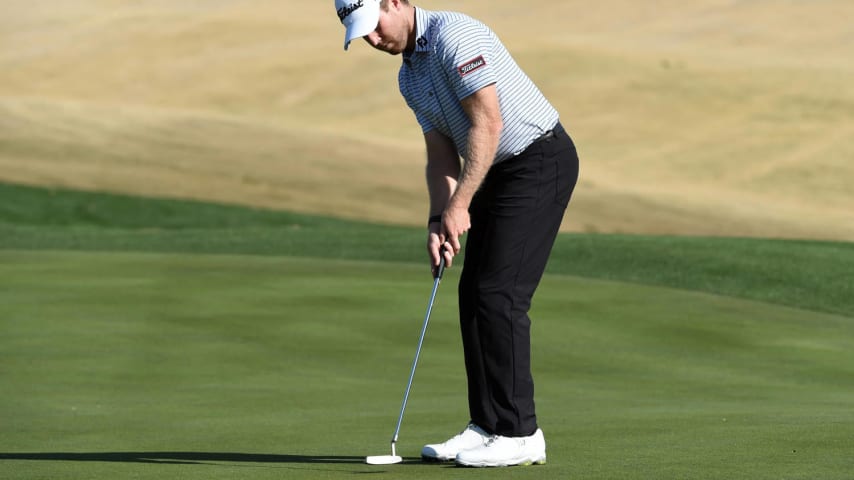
[{"x": 545, "y": 137}]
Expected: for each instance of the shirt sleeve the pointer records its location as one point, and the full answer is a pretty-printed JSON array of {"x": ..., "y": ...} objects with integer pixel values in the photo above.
[
  {"x": 426, "y": 124},
  {"x": 467, "y": 57}
]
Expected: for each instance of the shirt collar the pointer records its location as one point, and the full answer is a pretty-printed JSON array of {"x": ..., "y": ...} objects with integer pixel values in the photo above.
[{"x": 422, "y": 30}]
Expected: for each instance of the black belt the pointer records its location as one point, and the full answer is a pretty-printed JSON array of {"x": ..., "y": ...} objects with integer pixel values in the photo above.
[
  {"x": 548, "y": 135},
  {"x": 545, "y": 136}
]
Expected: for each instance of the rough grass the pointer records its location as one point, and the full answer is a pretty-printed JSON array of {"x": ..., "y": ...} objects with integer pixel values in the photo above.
[{"x": 701, "y": 118}]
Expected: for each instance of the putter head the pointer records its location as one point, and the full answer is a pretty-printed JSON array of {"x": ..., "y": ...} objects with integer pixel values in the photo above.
[{"x": 383, "y": 459}]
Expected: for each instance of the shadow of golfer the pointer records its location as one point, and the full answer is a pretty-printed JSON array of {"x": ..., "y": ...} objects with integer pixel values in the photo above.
[{"x": 182, "y": 457}]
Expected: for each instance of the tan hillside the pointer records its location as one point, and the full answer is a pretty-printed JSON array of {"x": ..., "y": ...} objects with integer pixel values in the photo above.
[{"x": 709, "y": 117}]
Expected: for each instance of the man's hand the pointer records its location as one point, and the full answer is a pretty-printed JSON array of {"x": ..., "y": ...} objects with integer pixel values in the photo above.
[
  {"x": 435, "y": 240},
  {"x": 455, "y": 222}
]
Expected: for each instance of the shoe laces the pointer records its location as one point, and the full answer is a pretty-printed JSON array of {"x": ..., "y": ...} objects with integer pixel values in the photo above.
[{"x": 495, "y": 438}]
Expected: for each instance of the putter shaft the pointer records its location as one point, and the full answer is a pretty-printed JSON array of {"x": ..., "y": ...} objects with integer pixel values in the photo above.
[{"x": 436, "y": 281}]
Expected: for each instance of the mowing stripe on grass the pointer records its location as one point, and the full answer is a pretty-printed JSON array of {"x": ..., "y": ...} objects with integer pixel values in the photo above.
[{"x": 804, "y": 274}]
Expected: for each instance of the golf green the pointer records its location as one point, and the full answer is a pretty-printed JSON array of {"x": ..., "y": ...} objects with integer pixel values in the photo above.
[{"x": 155, "y": 365}]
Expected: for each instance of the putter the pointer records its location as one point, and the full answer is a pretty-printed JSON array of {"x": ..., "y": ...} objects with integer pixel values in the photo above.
[{"x": 394, "y": 457}]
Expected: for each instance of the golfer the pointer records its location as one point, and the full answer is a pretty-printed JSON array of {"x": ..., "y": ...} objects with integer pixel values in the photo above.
[{"x": 508, "y": 194}]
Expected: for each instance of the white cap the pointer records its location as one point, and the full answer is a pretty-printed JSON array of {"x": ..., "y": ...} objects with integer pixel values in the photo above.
[{"x": 359, "y": 16}]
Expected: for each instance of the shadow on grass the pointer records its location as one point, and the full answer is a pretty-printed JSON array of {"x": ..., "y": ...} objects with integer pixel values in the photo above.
[{"x": 183, "y": 457}]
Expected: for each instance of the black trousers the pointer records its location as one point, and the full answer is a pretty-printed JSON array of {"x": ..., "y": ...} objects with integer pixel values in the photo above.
[{"x": 515, "y": 218}]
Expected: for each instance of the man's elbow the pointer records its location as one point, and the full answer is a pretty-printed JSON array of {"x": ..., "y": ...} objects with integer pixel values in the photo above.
[
  {"x": 497, "y": 126},
  {"x": 494, "y": 125}
]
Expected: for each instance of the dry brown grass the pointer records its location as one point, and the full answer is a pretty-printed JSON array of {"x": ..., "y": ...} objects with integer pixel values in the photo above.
[{"x": 706, "y": 117}]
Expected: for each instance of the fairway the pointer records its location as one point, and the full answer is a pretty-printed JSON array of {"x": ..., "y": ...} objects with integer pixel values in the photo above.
[{"x": 143, "y": 365}]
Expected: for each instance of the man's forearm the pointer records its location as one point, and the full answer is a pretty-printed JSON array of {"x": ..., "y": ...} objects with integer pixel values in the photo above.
[
  {"x": 483, "y": 143},
  {"x": 442, "y": 171},
  {"x": 486, "y": 124},
  {"x": 441, "y": 183}
]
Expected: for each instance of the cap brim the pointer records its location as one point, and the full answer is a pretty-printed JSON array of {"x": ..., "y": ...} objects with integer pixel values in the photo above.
[{"x": 364, "y": 22}]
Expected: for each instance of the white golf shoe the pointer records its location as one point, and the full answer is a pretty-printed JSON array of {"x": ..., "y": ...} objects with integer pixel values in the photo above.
[
  {"x": 502, "y": 451},
  {"x": 472, "y": 437}
]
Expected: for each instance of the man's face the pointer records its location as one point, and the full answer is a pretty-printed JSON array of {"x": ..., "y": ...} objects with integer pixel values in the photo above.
[{"x": 391, "y": 35}]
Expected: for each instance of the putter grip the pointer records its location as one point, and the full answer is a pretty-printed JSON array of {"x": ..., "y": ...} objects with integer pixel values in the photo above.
[{"x": 441, "y": 270}]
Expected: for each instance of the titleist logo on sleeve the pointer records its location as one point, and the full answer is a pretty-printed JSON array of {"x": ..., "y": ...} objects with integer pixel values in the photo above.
[
  {"x": 344, "y": 12},
  {"x": 471, "y": 65}
]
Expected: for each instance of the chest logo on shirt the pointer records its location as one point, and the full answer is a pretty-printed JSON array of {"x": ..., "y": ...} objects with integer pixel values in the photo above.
[{"x": 471, "y": 65}]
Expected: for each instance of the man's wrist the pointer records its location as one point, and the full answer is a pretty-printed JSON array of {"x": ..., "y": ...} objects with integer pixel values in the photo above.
[{"x": 434, "y": 219}]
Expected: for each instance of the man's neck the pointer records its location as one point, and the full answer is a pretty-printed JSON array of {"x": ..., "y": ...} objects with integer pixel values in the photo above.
[{"x": 410, "y": 41}]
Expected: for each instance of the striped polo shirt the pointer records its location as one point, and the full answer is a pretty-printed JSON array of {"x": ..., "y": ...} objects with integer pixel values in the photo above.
[{"x": 455, "y": 56}]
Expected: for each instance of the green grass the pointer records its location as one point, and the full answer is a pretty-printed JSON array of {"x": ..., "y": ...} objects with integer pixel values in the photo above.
[
  {"x": 807, "y": 274},
  {"x": 147, "y": 338},
  {"x": 227, "y": 366}
]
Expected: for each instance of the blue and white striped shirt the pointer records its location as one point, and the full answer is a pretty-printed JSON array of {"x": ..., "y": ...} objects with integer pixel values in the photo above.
[{"x": 455, "y": 56}]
